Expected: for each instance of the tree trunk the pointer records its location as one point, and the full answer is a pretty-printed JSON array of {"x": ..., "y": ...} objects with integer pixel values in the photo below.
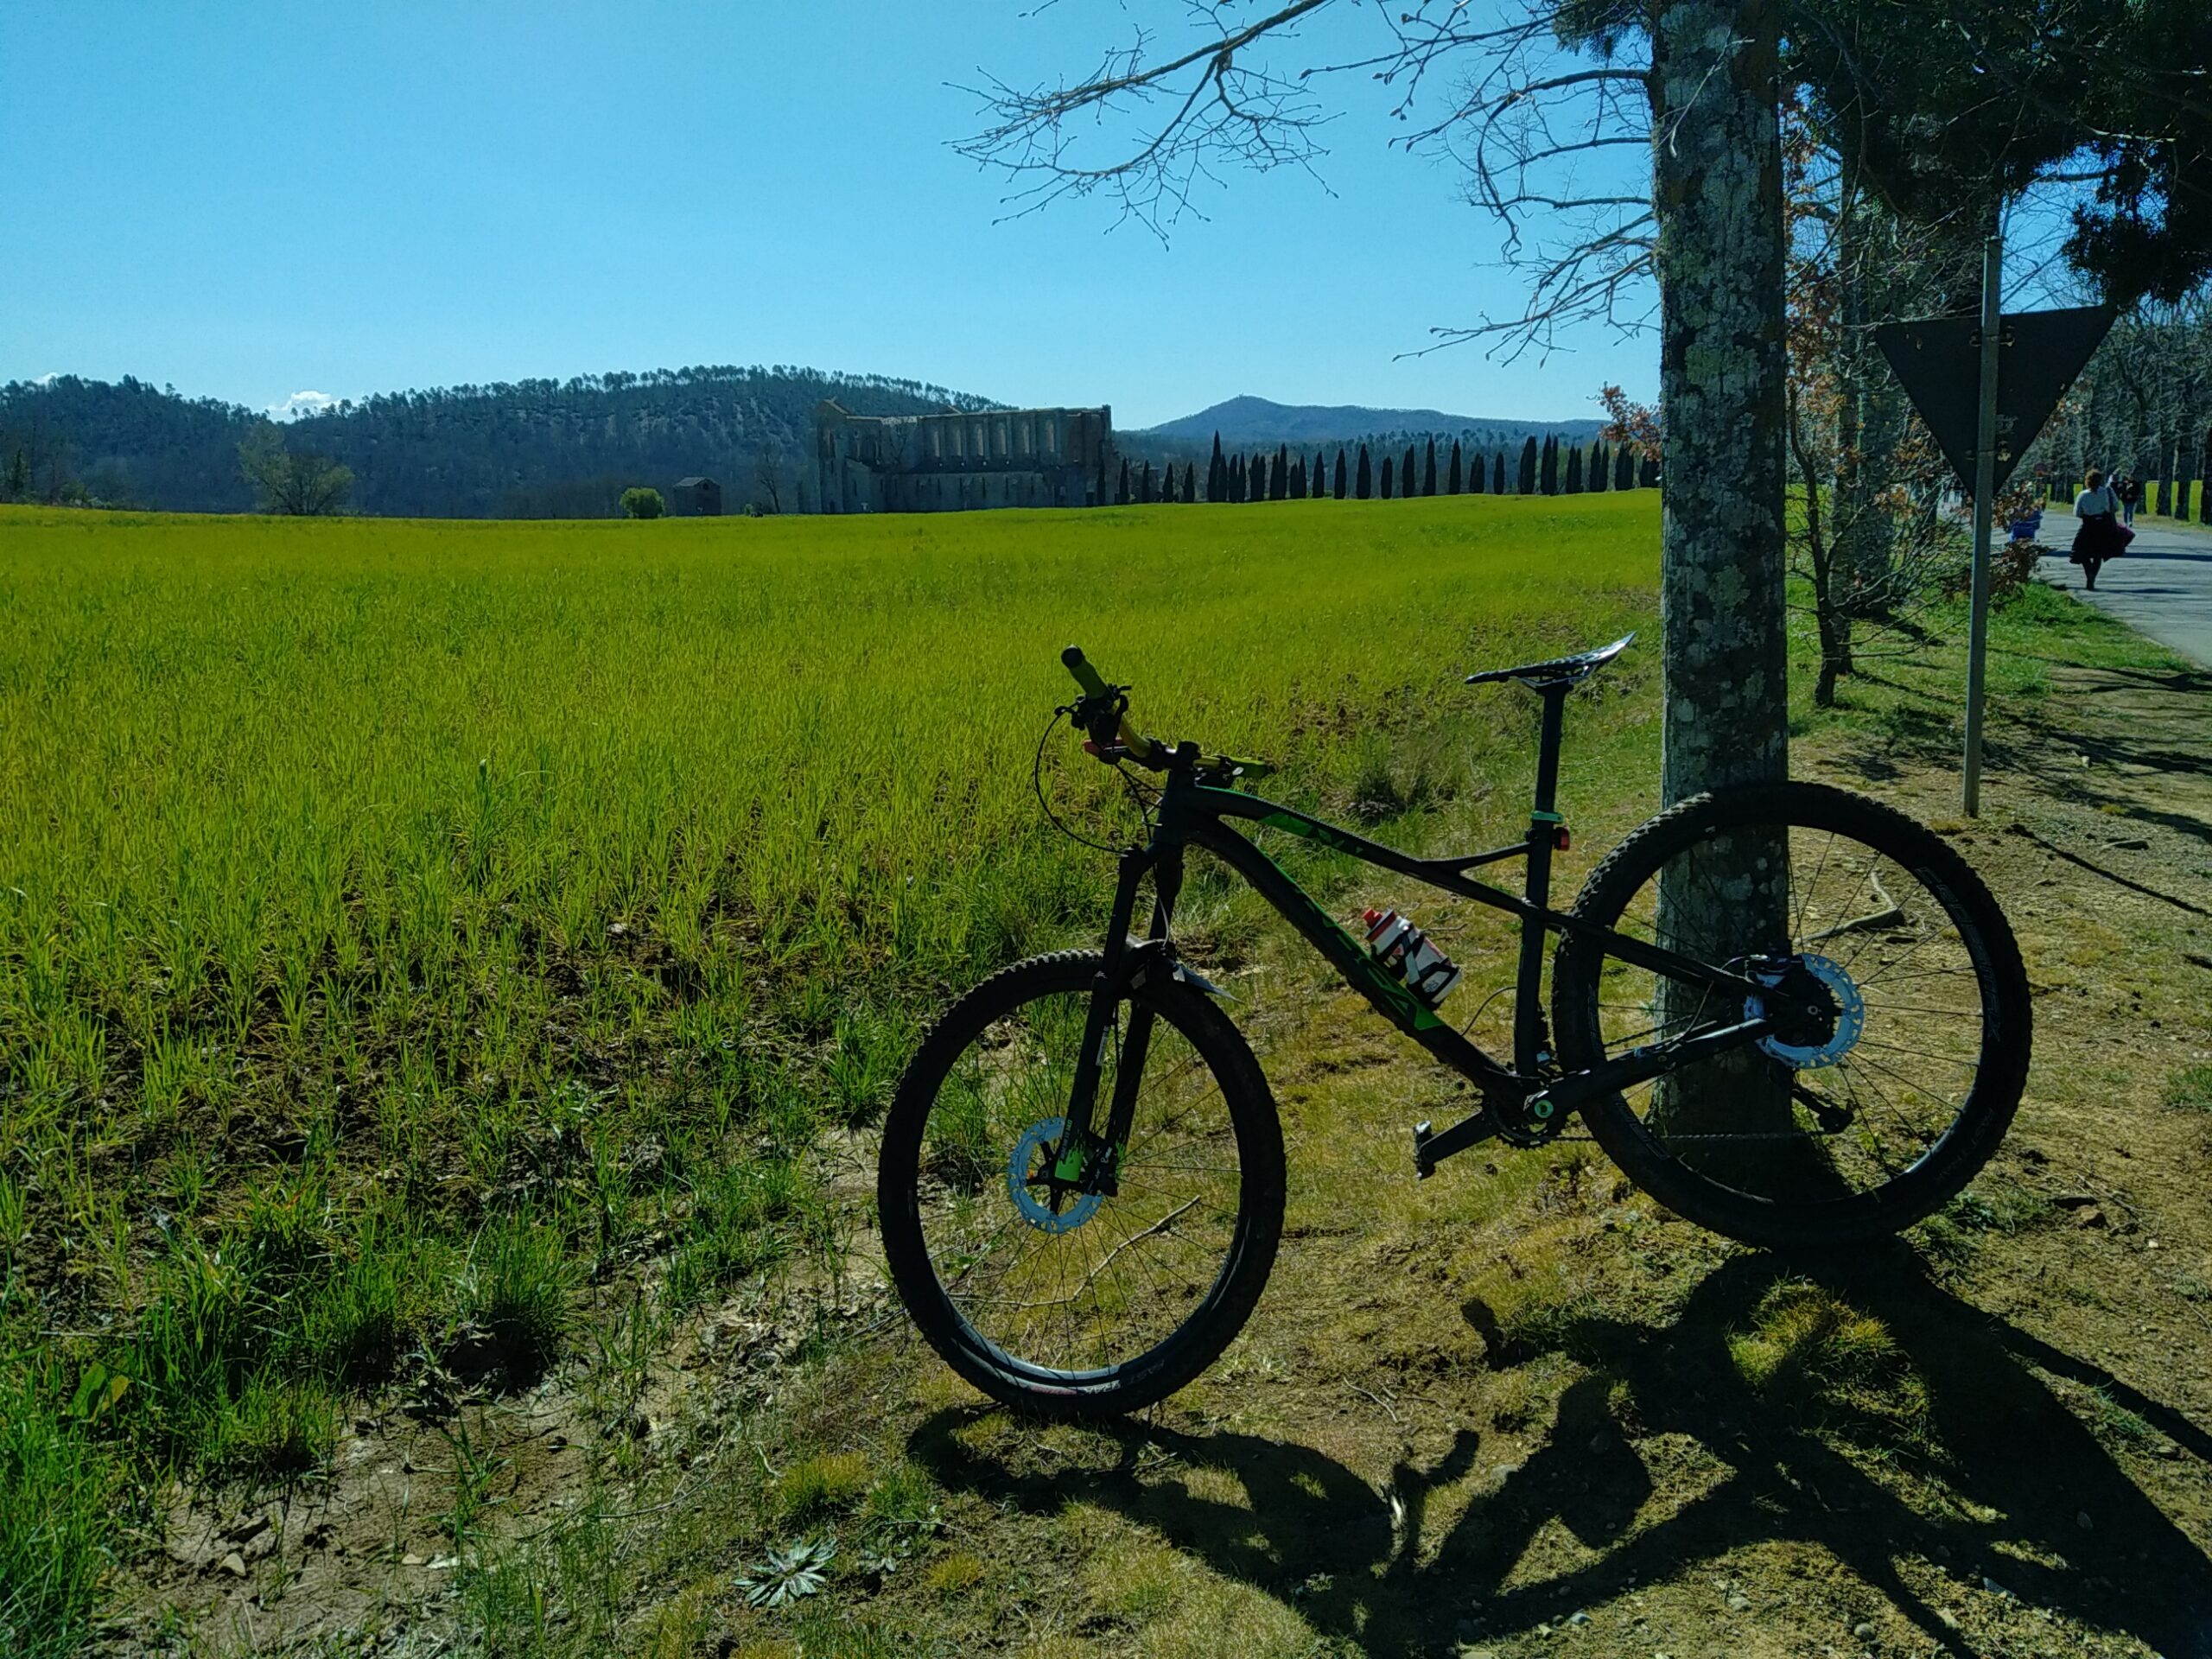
[
  {"x": 1717, "y": 179},
  {"x": 1717, "y": 193}
]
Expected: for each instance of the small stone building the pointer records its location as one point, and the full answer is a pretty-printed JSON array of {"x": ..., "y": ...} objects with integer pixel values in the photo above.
[
  {"x": 960, "y": 460},
  {"x": 696, "y": 497}
]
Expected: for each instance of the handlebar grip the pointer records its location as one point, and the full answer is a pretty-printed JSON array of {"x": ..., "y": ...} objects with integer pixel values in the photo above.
[{"x": 1085, "y": 675}]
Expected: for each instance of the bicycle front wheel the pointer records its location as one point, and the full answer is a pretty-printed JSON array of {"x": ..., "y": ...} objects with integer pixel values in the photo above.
[
  {"x": 1080, "y": 1304},
  {"x": 1861, "y": 1122}
]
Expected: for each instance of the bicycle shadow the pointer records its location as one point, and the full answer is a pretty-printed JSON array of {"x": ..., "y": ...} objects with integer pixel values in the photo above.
[{"x": 1316, "y": 1536}]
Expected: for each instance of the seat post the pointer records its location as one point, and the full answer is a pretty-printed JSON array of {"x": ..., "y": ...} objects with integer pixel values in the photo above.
[{"x": 1549, "y": 738}]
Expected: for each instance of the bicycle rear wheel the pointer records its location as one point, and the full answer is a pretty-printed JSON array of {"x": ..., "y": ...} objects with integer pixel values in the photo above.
[
  {"x": 1086, "y": 1305},
  {"x": 1852, "y": 1127}
]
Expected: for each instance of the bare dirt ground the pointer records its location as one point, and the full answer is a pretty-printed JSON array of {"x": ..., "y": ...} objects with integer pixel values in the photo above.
[{"x": 1512, "y": 1410}]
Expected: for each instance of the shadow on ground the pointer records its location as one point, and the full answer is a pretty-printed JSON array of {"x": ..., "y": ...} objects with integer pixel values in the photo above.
[{"x": 2001, "y": 1439}]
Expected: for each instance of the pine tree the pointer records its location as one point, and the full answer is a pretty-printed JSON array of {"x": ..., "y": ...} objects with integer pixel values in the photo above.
[
  {"x": 1455, "y": 466},
  {"x": 1526, "y": 484},
  {"x": 1547, "y": 469},
  {"x": 1575, "y": 470},
  {"x": 1216, "y": 474},
  {"x": 19, "y": 478},
  {"x": 1121, "y": 489},
  {"x": 1340, "y": 473},
  {"x": 1364, "y": 485},
  {"x": 1428, "y": 469}
]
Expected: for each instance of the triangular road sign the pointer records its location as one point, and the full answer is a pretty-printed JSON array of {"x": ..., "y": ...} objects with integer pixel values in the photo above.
[{"x": 1938, "y": 359}]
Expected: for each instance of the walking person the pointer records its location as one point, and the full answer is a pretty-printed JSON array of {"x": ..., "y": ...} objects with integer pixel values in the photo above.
[
  {"x": 2098, "y": 534},
  {"x": 2131, "y": 492}
]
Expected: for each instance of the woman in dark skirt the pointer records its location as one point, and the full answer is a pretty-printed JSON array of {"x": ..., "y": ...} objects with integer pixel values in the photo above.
[{"x": 2100, "y": 535}]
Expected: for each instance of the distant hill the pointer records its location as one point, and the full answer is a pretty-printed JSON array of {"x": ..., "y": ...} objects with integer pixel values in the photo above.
[
  {"x": 532, "y": 449},
  {"x": 1246, "y": 421}
]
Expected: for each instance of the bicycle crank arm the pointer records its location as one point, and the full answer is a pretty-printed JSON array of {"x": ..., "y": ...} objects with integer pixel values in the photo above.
[{"x": 1431, "y": 1147}]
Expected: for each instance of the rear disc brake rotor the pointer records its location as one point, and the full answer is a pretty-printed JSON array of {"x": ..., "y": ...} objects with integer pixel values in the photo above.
[{"x": 1850, "y": 1015}]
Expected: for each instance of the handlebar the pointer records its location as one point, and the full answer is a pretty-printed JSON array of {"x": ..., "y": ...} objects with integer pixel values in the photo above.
[
  {"x": 1109, "y": 699},
  {"x": 1103, "y": 714}
]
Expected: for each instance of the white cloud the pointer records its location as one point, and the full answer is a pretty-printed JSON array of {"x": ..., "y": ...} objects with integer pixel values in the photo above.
[
  {"x": 301, "y": 403},
  {"x": 46, "y": 379}
]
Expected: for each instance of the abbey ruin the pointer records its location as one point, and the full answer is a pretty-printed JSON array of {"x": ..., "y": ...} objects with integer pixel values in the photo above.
[{"x": 955, "y": 460}]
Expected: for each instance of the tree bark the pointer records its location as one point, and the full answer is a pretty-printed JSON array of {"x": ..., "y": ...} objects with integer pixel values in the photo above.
[
  {"x": 1717, "y": 193},
  {"x": 1717, "y": 184}
]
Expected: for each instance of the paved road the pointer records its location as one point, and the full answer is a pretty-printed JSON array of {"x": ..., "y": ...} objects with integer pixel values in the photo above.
[{"x": 2162, "y": 589}]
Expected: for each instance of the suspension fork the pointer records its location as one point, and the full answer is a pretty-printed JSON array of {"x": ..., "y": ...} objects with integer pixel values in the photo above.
[{"x": 1093, "y": 1161}]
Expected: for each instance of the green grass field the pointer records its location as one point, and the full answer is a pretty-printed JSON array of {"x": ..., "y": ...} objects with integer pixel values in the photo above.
[{"x": 423, "y": 941}]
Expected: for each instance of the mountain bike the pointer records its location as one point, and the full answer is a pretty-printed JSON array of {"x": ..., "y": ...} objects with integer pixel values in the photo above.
[{"x": 1787, "y": 1013}]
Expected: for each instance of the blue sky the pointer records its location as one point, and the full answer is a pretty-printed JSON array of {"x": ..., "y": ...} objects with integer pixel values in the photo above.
[{"x": 249, "y": 200}]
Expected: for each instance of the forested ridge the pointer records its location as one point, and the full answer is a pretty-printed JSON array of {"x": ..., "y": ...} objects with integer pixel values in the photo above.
[{"x": 531, "y": 448}]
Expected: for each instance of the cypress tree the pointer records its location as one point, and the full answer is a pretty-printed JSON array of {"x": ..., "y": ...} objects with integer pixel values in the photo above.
[
  {"x": 1190, "y": 483},
  {"x": 1428, "y": 468},
  {"x": 1340, "y": 473},
  {"x": 1455, "y": 466},
  {"x": 1575, "y": 470},
  {"x": 1497, "y": 473},
  {"x": 1216, "y": 474},
  {"x": 1601, "y": 466},
  {"x": 1406, "y": 473},
  {"x": 1121, "y": 490},
  {"x": 1318, "y": 476},
  {"x": 1647, "y": 474},
  {"x": 1364, "y": 484},
  {"x": 1237, "y": 481},
  {"x": 1548, "y": 468},
  {"x": 1144, "y": 485},
  {"x": 1478, "y": 475},
  {"x": 1386, "y": 478},
  {"x": 1297, "y": 490},
  {"x": 1526, "y": 484},
  {"x": 1282, "y": 473},
  {"x": 1623, "y": 468}
]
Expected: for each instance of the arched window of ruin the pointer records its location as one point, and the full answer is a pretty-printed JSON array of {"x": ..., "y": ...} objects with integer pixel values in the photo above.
[{"x": 1051, "y": 437}]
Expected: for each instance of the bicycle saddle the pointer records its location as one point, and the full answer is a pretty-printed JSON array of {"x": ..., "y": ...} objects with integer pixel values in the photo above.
[{"x": 1557, "y": 670}]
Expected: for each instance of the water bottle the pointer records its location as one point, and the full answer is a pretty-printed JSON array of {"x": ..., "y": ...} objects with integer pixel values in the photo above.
[{"x": 1410, "y": 955}]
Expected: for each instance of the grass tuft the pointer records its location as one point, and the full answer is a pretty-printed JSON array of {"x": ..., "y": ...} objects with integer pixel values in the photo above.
[
  {"x": 1811, "y": 1352},
  {"x": 514, "y": 1302}
]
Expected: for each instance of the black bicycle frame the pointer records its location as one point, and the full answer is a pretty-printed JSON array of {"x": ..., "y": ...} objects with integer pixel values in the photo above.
[{"x": 1192, "y": 813}]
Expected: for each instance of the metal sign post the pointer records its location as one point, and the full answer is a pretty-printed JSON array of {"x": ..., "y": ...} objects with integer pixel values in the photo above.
[
  {"x": 1984, "y": 492},
  {"x": 1985, "y": 387}
]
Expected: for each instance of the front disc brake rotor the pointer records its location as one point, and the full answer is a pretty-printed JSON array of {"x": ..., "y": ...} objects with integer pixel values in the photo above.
[
  {"x": 1850, "y": 1014},
  {"x": 1024, "y": 1168}
]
